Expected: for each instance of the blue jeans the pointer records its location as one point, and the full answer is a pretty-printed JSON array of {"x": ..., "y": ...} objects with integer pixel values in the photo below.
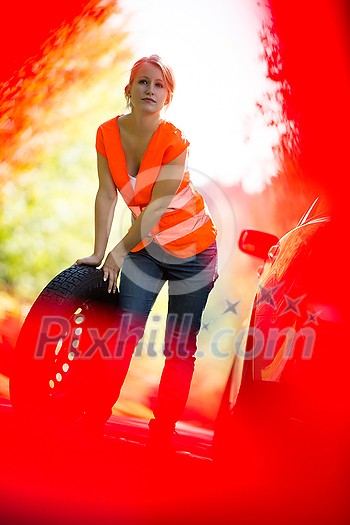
[{"x": 189, "y": 283}]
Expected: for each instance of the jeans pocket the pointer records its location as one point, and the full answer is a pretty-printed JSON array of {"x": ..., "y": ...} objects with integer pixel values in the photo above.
[{"x": 208, "y": 259}]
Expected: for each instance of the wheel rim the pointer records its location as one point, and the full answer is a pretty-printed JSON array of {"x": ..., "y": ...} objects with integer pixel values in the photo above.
[{"x": 67, "y": 367}]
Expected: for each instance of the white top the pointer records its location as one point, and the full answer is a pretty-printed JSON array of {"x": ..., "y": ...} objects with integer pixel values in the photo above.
[{"x": 132, "y": 180}]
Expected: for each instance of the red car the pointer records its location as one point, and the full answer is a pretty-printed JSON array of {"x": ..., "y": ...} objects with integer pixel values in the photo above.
[{"x": 290, "y": 418}]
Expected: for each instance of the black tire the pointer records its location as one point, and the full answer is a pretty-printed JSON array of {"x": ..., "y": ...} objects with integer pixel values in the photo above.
[{"x": 53, "y": 369}]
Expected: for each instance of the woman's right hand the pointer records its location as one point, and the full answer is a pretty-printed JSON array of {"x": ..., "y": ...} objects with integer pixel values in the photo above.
[{"x": 92, "y": 260}]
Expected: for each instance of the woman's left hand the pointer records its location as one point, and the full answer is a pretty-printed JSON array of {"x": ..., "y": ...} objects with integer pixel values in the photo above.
[{"x": 111, "y": 269}]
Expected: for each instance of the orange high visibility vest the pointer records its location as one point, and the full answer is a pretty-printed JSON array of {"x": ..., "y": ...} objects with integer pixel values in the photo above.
[{"x": 186, "y": 227}]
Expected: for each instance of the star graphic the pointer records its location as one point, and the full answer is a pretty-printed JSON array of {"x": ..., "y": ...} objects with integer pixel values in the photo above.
[
  {"x": 292, "y": 304},
  {"x": 205, "y": 326},
  {"x": 231, "y": 307},
  {"x": 266, "y": 295},
  {"x": 313, "y": 317}
]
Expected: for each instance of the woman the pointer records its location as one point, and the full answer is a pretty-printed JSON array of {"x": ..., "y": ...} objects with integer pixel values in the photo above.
[{"x": 172, "y": 238}]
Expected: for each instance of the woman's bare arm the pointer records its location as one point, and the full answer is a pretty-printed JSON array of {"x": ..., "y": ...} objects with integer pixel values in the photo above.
[{"x": 105, "y": 202}]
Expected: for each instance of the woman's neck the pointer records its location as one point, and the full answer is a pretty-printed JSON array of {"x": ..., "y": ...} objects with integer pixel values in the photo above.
[{"x": 143, "y": 123}]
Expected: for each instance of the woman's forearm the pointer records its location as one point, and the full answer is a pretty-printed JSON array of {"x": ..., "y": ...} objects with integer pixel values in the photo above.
[
  {"x": 104, "y": 213},
  {"x": 140, "y": 228}
]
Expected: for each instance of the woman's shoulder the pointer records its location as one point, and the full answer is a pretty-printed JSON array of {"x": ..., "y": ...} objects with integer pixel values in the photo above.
[
  {"x": 174, "y": 142},
  {"x": 110, "y": 123},
  {"x": 174, "y": 132},
  {"x": 170, "y": 127}
]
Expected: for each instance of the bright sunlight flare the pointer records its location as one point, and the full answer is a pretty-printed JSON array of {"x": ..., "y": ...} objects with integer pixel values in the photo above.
[{"x": 216, "y": 53}]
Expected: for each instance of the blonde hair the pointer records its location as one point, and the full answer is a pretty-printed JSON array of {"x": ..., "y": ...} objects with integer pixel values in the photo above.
[{"x": 165, "y": 69}]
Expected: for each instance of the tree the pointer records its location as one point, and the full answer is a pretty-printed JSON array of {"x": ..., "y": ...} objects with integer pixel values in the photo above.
[{"x": 50, "y": 111}]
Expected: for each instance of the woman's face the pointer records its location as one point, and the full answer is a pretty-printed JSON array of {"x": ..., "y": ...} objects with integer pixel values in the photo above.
[{"x": 148, "y": 90}]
